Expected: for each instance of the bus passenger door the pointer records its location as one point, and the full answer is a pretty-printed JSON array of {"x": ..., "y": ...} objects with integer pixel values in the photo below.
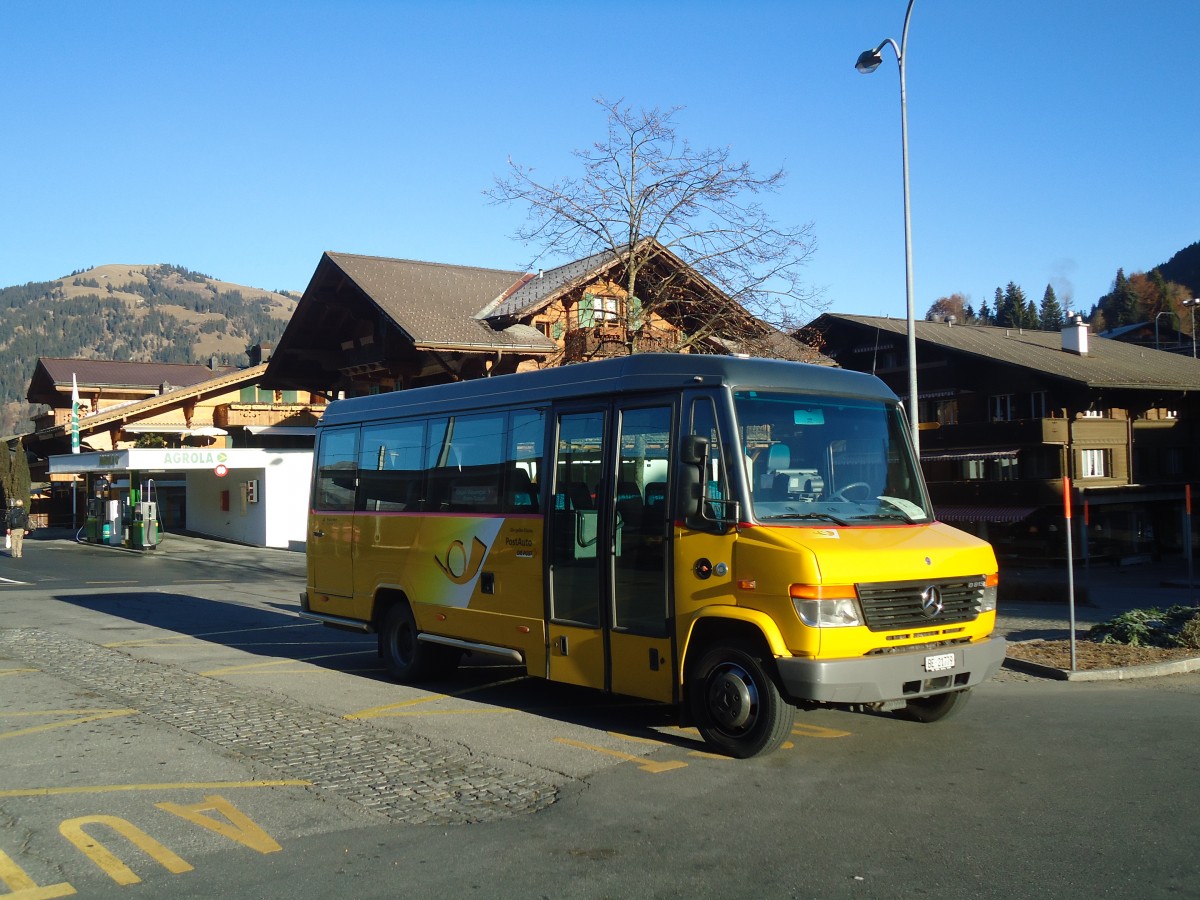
[
  {"x": 638, "y": 583},
  {"x": 330, "y": 550},
  {"x": 576, "y": 547},
  {"x": 608, "y": 539}
]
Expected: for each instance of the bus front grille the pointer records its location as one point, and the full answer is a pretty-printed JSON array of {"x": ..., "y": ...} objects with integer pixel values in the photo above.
[{"x": 888, "y": 605}]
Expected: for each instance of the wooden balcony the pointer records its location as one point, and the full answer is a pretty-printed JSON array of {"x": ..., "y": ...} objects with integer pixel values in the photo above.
[
  {"x": 240, "y": 415},
  {"x": 604, "y": 341}
]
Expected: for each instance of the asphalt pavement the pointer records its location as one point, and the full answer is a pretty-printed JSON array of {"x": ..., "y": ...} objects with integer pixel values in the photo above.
[{"x": 1035, "y": 602}]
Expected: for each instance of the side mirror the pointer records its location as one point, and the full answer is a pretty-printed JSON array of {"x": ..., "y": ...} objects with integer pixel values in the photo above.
[
  {"x": 694, "y": 451},
  {"x": 698, "y": 510}
]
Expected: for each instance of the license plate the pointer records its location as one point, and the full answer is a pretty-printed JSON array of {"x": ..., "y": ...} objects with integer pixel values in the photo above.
[{"x": 939, "y": 663}]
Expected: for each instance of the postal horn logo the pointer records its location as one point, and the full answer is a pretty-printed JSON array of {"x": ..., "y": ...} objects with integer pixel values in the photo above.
[{"x": 457, "y": 565}]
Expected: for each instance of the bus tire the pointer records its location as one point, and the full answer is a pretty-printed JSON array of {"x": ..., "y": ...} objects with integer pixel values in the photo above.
[
  {"x": 736, "y": 704},
  {"x": 935, "y": 708},
  {"x": 406, "y": 657}
]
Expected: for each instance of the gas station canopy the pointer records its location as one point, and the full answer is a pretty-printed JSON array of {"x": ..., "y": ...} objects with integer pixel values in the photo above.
[{"x": 154, "y": 459}]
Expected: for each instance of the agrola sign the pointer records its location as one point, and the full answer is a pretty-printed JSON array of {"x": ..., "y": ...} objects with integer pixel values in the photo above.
[
  {"x": 172, "y": 459},
  {"x": 194, "y": 459}
]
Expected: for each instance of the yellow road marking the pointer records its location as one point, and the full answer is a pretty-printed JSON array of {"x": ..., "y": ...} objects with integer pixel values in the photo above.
[
  {"x": 95, "y": 715},
  {"x": 20, "y": 885},
  {"x": 237, "y": 825},
  {"x": 386, "y": 711},
  {"x": 4, "y": 672},
  {"x": 816, "y": 731},
  {"x": 164, "y": 786},
  {"x": 143, "y": 642},
  {"x": 108, "y": 863},
  {"x": 637, "y": 739},
  {"x": 207, "y": 634},
  {"x": 443, "y": 712},
  {"x": 646, "y": 765},
  {"x": 252, "y": 667}
]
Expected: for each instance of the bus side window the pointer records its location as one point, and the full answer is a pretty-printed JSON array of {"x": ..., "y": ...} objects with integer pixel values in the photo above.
[
  {"x": 390, "y": 474},
  {"x": 337, "y": 471},
  {"x": 469, "y": 464},
  {"x": 716, "y": 481},
  {"x": 527, "y": 432}
]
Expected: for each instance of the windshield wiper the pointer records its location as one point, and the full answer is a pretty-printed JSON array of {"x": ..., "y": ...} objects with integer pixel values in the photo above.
[
  {"x": 811, "y": 515},
  {"x": 888, "y": 514}
]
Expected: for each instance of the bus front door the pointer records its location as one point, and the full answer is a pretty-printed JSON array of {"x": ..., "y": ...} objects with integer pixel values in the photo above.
[{"x": 609, "y": 532}]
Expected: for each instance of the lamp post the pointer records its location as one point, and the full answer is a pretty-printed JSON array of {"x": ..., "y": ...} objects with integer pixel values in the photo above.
[
  {"x": 868, "y": 62},
  {"x": 1192, "y": 304},
  {"x": 1165, "y": 312}
]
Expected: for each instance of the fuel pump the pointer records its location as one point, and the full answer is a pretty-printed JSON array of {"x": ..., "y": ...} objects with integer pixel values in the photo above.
[
  {"x": 105, "y": 516},
  {"x": 143, "y": 523},
  {"x": 143, "y": 528}
]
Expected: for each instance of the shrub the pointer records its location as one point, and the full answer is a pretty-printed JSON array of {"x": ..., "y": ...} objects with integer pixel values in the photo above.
[
  {"x": 1190, "y": 633},
  {"x": 1177, "y": 626}
]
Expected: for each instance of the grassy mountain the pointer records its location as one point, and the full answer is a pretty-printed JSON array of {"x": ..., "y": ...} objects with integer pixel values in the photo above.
[{"x": 158, "y": 313}]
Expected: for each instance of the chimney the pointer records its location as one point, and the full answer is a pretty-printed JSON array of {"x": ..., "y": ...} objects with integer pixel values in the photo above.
[
  {"x": 1075, "y": 337},
  {"x": 260, "y": 353}
]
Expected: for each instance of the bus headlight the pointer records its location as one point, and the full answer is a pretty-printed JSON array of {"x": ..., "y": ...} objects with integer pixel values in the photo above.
[
  {"x": 990, "y": 588},
  {"x": 838, "y": 613}
]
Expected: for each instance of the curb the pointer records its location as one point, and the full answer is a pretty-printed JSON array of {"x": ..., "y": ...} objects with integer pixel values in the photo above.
[{"x": 1151, "y": 670}]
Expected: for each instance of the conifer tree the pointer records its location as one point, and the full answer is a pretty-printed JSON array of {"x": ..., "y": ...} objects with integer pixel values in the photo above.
[
  {"x": 1030, "y": 317},
  {"x": 20, "y": 474},
  {"x": 1009, "y": 311},
  {"x": 6, "y": 490},
  {"x": 1052, "y": 313}
]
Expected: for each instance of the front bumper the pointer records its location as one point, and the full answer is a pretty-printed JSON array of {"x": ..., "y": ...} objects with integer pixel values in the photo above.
[{"x": 891, "y": 676}]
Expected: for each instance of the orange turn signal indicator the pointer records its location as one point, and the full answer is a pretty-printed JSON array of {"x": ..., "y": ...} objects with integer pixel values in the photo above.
[{"x": 822, "y": 592}]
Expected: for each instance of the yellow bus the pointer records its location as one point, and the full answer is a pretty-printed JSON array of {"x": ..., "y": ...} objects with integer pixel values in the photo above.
[{"x": 738, "y": 537}]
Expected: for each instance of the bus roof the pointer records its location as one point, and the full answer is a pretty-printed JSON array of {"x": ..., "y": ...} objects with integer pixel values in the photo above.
[{"x": 639, "y": 373}]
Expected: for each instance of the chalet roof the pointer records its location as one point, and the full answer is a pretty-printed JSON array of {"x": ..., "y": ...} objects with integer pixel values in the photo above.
[
  {"x": 537, "y": 290},
  {"x": 777, "y": 345},
  {"x": 141, "y": 409},
  {"x": 1108, "y": 364},
  {"x": 435, "y": 304},
  {"x": 52, "y": 376}
]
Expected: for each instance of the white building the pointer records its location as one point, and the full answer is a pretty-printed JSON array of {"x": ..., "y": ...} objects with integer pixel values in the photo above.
[{"x": 252, "y": 496}]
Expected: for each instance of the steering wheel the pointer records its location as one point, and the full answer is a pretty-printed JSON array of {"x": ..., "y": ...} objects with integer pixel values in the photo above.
[{"x": 840, "y": 494}]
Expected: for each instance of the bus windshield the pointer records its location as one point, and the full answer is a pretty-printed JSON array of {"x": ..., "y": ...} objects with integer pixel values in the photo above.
[{"x": 819, "y": 460}]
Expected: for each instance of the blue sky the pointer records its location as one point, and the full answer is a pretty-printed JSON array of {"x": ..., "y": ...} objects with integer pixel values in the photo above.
[{"x": 1050, "y": 142}]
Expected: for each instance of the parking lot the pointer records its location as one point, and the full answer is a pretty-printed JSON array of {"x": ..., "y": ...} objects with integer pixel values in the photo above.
[{"x": 167, "y": 718}]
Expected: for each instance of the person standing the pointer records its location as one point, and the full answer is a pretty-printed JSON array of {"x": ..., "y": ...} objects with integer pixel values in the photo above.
[{"x": 17, "y": 520}]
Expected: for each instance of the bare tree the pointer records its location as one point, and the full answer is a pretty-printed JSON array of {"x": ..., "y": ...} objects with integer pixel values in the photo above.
[{"x": 646, "y": 195}]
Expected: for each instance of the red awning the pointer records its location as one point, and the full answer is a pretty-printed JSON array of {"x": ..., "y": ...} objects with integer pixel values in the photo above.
[{"x": 998, "y": 514}]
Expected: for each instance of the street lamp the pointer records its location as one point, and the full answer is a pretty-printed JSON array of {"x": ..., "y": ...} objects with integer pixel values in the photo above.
[
  {"x": 868, "y": 62},
  {"x": 1165, "y": 312},
  {"x": 1192, "y": 304}
]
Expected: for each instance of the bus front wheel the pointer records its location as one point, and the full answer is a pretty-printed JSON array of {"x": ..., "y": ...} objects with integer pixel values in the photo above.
[
  {"x": 736, "y": 704},
  {"x": 407, "y": 657}
]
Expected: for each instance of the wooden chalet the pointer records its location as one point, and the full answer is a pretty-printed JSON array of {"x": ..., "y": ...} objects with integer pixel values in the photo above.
[
  {"x": 369, "y": 324},
  {"x": 1005, "y": 414}
]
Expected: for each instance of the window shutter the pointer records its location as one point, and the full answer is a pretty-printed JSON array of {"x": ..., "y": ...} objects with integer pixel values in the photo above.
[{"x": 587, "y": 311}]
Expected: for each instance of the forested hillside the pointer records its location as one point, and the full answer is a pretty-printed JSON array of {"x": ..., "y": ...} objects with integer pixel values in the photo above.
[
  {"x": 1184, "y": 268},
  {"x": 159, "y": 313}
]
